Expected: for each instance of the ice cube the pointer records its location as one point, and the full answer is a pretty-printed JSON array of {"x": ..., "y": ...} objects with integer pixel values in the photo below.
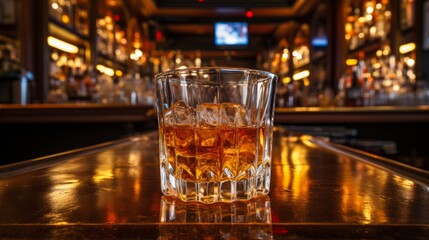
[
  {"x": 208, "y": 115},
  {"x": 234, "y": 115},
  {"x": 168, "y": 118},
  {"x": 184, "y": 114}
]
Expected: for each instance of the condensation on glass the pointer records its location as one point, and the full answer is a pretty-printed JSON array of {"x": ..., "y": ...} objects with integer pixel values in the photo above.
[{"x": 215, "y": 133}]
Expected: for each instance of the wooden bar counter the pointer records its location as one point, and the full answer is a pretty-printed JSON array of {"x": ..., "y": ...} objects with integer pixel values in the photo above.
[
  {"x": 43, "y": 113},
  {"x": 344, "y": 115},
  {"x": 374, "y": 125},
  {"x": 319, "y": 190},
  {"x": 45, "y": 129},
  {"x": 74, "y": 113}
]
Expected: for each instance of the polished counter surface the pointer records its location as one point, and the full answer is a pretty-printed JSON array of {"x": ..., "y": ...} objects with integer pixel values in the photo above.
[
  {"x": 112, "y": 191},
  {"x": 75, "y": 113},
  {"x": 91, "y": 112},
  {"x": 341, "y": 115}
]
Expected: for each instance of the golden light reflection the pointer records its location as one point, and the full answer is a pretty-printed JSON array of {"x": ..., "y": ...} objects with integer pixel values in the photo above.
[
  {"x": 294, "y": 169},
  {"x": 299, "y": 155},
  {"x": 408, "y": 184},
  {"x": 290, "y": 139},
  {"x": 407, "y": 190},
  {"x": 306, "y": 139},
  {"x": 104, "y": 171},
  {"x": 284, "y": 154},
  {"x": 118, "y": 177},
  {"x": 136, "y": 189},
  {"x": 134, "y": 162},
  {"x": 358, "y": 190},
  {"x": 350, "y": 201},
  {"x": 368, "y": 210},
  {"x": 62, "y": 195},
  {"x": 135, "y": 171}
]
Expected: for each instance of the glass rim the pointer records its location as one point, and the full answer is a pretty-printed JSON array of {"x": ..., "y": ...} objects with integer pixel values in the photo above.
[{"x": 232, "y": 69}]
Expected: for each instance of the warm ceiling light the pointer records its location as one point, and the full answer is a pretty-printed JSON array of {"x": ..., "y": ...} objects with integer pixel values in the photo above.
[
  {"x": 285, "y": 80},
  {"x": 351, "y": 62},
  {"x": 138, "y": 53},
  {"x": 406, "y": 48},
  {"x": 301, "y": 75},
  {"x": 112, "y": 3},
  {"x": 106, "y": 70},
  {"x": 61, "y": 45}
]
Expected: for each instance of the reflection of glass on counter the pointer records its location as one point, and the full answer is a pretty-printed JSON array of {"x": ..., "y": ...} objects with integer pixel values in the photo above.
[{"x": 244, "y": 220}]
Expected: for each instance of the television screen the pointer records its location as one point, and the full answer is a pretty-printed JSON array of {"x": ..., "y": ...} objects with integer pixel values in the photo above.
[
  {"x": 319, "y": 41},
  {"x": 231, "y": 34}
]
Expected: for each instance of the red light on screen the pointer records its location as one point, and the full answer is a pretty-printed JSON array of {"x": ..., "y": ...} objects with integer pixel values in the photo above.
[
  {"x": 249, "y": 13},
  {"x": 158, "y": 35},
  {"x": 116, "y": 17}
]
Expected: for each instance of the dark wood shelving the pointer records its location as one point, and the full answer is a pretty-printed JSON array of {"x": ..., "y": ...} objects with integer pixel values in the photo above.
[
  {"x": 75, "y": 113},
  {"x": 302, "y": 68},
  {"x": 342, "y": 115},
  {"x": 71, "y": 30},
  {"x": 8, "y": 31},
  {"x": 371, "y": 45},
  {"x": 319, "y": 56},
  {"x": 109, "y": 61}
]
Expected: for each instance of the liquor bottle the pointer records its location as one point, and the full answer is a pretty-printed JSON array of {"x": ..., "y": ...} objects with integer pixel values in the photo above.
[
  {"x": 341, "y": 94},
  {"x": 16, "y": 83},
  {"x": 67, "y": 13},
  {"x": 55, "y": 10},
  {"x": 6, "y": 62},
  {"x": 81, "y": 89},
  {"x": 354, "y": 92},
  {"x": 57, "y": 93},
  {"x": 281, "y": 94},
  {"x": 81, "y": 21},
  {"x": 380, "y": 20},
  {"x": 7, "y": 12}
]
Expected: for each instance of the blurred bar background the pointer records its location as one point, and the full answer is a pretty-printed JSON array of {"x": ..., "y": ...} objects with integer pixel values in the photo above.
[{"x": 74, "y": 73}]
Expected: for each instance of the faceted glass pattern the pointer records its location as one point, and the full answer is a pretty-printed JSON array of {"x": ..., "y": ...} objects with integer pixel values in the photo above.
[{"x": 215, "y": 133}]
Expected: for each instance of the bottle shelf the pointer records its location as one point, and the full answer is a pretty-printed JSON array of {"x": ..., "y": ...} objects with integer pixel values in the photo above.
[
  {"x": 66, "y": 33},
  {"x": 109, "y": 61},
  {"x": 371, "y": 45},
  {"x": 318, "y": 56},
  {"x": 7, "y": 38},
  {"x": 8, "y": 31},
  {"x": 299, "y": 68}
]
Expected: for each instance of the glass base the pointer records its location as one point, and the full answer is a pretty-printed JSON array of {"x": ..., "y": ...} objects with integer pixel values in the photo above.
[{"x": 229, "y": 190}]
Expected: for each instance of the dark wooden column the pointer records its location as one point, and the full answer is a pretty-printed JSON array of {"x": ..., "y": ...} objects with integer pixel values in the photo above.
[
  {"x": 41, "y": 50},
  {"x": 339, "y": 48},
  {"x": 422, "y": 70},
  {"x": 26, "y": 33},
  {"x": 33, "y": 32},
  {"x": 93, "y": 12},
  {"x": 395, "y": 35},
  {"x": 334, "y": 41}
]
